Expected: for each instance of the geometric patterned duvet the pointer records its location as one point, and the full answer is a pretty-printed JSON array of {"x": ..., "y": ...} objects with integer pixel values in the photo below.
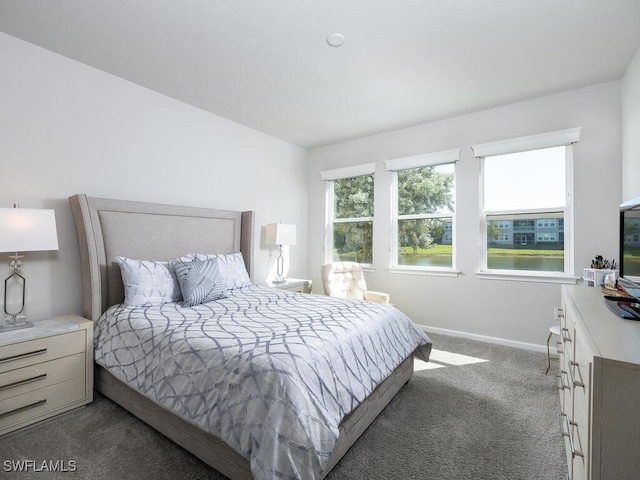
[{"x": 271, "y": 372}]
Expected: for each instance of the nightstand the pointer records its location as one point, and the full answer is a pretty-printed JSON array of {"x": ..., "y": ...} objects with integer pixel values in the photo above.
[
  {"x": 293, "y": 285},
  {"x": 45, "y": 370}
]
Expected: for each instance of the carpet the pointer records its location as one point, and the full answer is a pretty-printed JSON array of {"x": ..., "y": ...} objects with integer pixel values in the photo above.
[{"x": 477, "y": 411}]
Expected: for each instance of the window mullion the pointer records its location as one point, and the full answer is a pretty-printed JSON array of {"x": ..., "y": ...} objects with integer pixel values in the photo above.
[{"x": 353, "y": 219}]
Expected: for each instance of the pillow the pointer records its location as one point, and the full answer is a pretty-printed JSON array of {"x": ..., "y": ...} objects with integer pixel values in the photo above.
[
  {"x": 231, "y": 267},
  {"x": 200, "y": 281},
  {"x": 148, "y": 283}
]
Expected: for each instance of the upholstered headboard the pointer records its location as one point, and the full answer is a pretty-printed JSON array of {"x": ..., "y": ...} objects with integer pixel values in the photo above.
[{"x": 148, "y": 231}]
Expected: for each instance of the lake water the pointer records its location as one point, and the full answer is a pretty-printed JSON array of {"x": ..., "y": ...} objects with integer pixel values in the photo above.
[{"x": 500, "y": 262}]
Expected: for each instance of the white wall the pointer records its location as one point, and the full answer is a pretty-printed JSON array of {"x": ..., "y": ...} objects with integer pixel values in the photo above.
[
  {"x": 511, "y": 311},
  {"x": 67, "y": 128},
  {"x": 631, "y": 130}
]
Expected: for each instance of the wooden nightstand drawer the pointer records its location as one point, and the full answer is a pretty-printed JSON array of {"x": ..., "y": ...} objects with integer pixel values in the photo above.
[
  {"x": 292, "y": 285},
  {"x": 28, "y": 379},
  {"x": 45, "y": 370},
  {"x": 30, "y": 352},
  {"x": 42, "y": 403}
]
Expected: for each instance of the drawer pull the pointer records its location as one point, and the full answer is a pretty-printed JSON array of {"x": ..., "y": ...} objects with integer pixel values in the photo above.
[
  {"x": 574, "y": 453},
  {"x": 576, "y": 365},
  {"x": 563, "y": 386},
  {"x": 567, "y": 337},
  {"x": 22, "y": 409},
  {"x": 23, "y": 382},
  {"x": 20, "y": 356},
  {"x": 559, "y": 348}
]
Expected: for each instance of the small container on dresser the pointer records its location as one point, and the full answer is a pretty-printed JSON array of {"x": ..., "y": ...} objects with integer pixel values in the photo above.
[
  {"x": 599, "y": 388},
  {"x": 45, "y": 370},
  {"x": 293, "y": 285}
]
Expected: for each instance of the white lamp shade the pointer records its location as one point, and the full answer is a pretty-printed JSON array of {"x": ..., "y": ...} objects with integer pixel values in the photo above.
[
  {"x": 27, "y": 230},
  {"x": 281, "y": 234}
]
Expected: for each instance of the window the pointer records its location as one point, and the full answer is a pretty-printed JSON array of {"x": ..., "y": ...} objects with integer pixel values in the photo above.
[
  {"x": 546, "y": 237},
  {"x": 547, "y": 223},
  {"x": 423, "y": 214},
  {"x": 526, "y": 182},
  {"x": 350, "y": 214}
]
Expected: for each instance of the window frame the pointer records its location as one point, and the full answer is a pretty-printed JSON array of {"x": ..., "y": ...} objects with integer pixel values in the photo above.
[
  {"x": 562, "y": 138},
  {"x": 428, "y": 160},
  {"x": 330, "y": 176}
]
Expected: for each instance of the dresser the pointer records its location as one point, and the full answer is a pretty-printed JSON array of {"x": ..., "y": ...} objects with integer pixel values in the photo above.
[
  {"x": 45, "y": 370},
  {"x": 599, "y": 387}
]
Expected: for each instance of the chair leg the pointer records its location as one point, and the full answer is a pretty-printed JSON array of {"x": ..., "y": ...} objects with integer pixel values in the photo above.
[{"x": 548, "y": 354}]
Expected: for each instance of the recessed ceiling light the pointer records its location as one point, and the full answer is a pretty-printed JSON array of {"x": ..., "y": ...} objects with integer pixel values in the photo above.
[{"x": 335, "y": 39}]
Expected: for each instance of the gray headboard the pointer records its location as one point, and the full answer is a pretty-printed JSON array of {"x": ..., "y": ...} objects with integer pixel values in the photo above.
[{"x": 148, "y": 231}]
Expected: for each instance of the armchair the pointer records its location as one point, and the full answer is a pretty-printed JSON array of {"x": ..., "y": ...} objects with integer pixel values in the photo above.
[{"x": 346, "y": 280}]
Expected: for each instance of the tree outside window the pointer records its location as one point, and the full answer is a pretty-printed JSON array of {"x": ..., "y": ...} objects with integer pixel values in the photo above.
[
  {"x": 353, "y": 219},
  {"x": 425, "y": 216}
]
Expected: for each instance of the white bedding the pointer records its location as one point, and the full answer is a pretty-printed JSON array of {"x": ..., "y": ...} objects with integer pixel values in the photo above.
[{"x": 271, "y": 372}]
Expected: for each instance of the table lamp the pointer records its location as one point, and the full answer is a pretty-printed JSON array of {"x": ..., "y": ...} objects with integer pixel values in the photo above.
[
  {"x": 280, "y": 234},
  {"x": 23, "y": 230}
]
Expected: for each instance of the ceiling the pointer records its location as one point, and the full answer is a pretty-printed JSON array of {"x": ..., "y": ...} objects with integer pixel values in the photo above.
[{"x": 266, "y": 64}]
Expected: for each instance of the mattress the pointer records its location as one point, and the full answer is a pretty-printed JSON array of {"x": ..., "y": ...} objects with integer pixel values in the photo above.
[{"x": 271, "y": 372}]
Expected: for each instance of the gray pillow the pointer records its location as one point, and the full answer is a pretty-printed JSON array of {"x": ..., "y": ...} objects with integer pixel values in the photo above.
[
  {"x": 148, "y": 283},
  {"x": 200, "y": 281}
]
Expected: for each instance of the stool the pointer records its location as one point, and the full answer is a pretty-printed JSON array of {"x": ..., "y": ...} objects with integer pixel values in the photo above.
[{"x": 554, "y": 330}]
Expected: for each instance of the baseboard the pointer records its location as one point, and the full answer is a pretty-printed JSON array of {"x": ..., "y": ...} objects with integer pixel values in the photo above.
[{"x": 485, "y": 338}]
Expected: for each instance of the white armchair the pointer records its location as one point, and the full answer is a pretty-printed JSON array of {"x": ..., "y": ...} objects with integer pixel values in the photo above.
[{"x": 345, "y": 279}]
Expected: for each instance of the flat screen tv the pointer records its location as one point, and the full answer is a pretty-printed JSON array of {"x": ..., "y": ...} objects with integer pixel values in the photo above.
[{"x": 629, "y": 264}]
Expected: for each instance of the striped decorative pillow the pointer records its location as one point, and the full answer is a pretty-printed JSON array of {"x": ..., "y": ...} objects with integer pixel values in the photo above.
[{"x": 200, "y": 281}]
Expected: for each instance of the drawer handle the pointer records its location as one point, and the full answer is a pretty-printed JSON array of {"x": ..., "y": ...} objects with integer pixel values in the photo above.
[
  {"x": 23, "y": 382},
  {"x": 563, "y": 386},
  {"x": 20, "y": 356},
  {"x": 22, "y": 409},
  {"x": 558, "y": 313},
  {"x": 559, "y": 347},
  {"x": 574, "y": 453},
  {"x": 566, "y": 338},
  {"x": 576, "y": 365}
]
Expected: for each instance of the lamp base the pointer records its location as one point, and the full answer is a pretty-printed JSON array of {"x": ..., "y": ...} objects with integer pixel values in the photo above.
[
  {"x": 14, "y": 326},
  {"x": 279, "y": 280}
]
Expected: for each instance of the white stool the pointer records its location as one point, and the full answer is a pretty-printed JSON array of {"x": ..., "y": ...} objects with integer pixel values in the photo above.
[{"x": 554, "y": 330}]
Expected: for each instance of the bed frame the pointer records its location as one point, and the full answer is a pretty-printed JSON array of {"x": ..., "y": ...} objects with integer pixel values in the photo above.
[{"x": 149, "y": 231}]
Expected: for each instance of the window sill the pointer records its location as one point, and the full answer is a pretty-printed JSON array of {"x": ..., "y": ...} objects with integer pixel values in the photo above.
[
  {"x": 541, "y": 277},
  {"x": 444, "y": 272}
]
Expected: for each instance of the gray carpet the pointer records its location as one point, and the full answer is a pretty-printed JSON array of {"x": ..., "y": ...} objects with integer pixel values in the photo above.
[{"x": 496, "y": 419}]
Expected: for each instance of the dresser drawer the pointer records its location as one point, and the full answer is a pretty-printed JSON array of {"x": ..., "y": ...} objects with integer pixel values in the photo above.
[
  {"x": 30, "y": 352},
  {"x": 41, "y": 375},
  {"x": 41, "y": 403}
]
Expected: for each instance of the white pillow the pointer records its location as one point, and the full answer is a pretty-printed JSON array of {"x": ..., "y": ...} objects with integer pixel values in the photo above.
[
  {"x": 148, "y": 283},
  {"x": 231, "y": 266}
]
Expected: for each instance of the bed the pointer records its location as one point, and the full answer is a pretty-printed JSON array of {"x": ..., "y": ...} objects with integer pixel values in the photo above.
[{"x": 220, "y": 421}]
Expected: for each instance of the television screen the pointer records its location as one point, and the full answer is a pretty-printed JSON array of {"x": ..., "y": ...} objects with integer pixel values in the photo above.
[
  {"x": 630, "y": 242},
  {"x": 629, "y": 274}
]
